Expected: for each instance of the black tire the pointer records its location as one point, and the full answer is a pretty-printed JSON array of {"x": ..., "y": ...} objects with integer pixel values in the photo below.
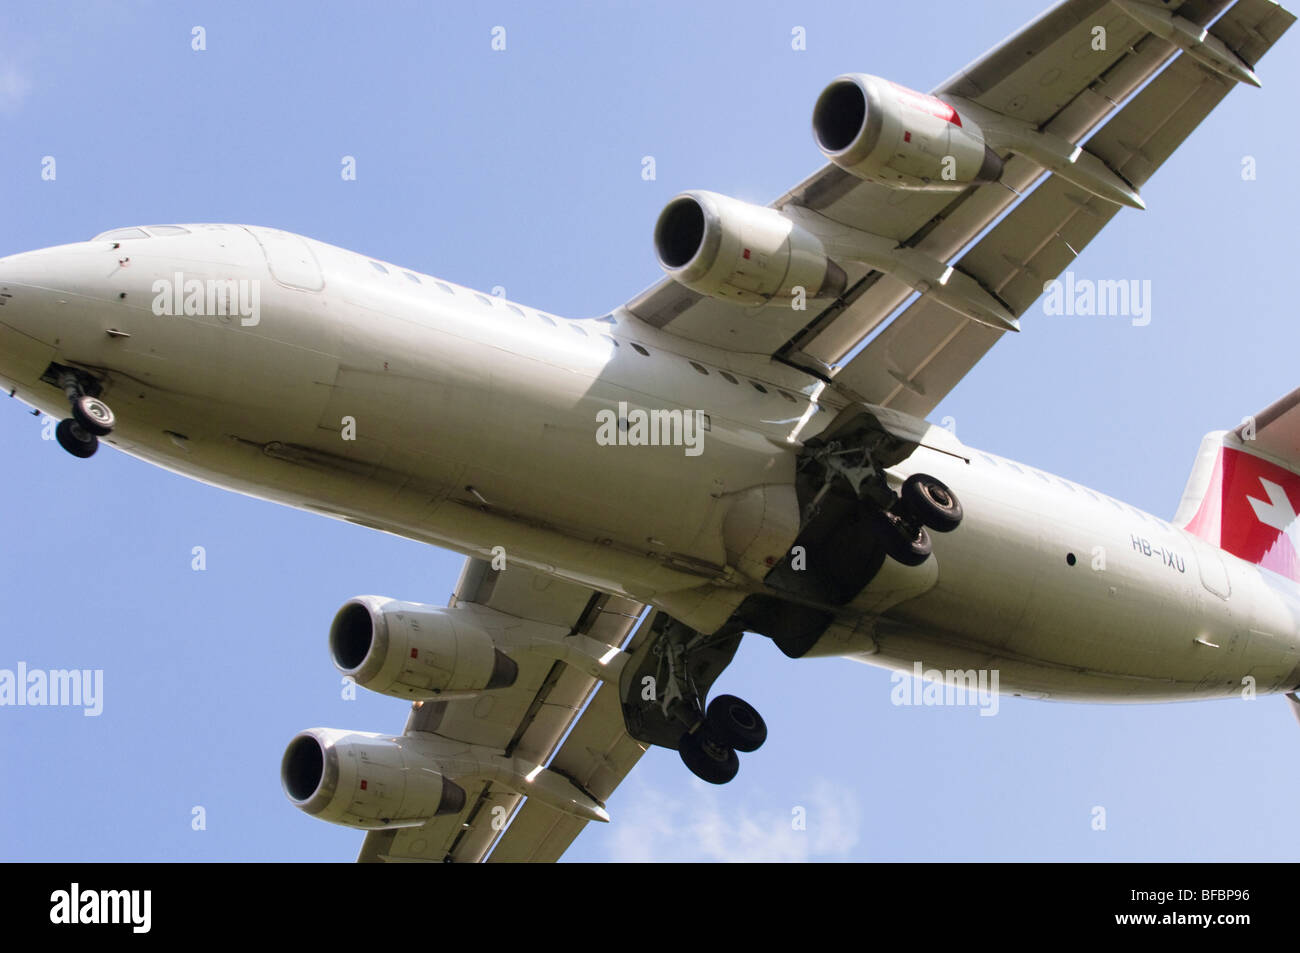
[
  {"x": 94, "y": 416},
  {"x": 931, "y": 503},
  {"x": 708, "y": 759},
  {"x": 736, "y": 722},
  {"x": 75, "y": 440},
  {"x": 902, "y": 544}
]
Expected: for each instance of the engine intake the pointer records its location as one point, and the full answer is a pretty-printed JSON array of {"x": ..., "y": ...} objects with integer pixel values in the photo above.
[
  {"x": 895, "y": 136},
  {"x": 414, "y": 651},
  {"x": 725, "y": 248},
  {"x": 364, "y": 780}
]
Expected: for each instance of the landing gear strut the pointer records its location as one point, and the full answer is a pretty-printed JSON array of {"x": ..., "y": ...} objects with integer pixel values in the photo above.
[{"x": 91, "y": 418}]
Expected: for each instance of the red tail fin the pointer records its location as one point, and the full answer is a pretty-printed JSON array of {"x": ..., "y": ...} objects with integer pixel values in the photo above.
[{"x": 1244, "y": 492}]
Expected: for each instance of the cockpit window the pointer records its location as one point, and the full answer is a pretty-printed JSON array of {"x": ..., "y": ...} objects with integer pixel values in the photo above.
[
  {"x": 168, "y": 230},
  {"x": 120, "y": 233}
]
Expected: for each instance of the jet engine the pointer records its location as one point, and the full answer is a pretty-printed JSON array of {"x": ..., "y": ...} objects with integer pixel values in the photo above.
[
  {"x": 726, "y": 248},
  {"x": 365, "y": 780},
  {"x": 414, "y": 651},
  {"x": 886, "y": 133}
]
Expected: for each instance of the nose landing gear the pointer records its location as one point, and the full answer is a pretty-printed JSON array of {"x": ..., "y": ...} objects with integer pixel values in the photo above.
[
  {"x": 91, "y": 418},
  {"x": 74, "y": 438}
]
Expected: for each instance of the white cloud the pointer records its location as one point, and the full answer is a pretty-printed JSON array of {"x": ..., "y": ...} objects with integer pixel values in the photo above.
[
  {"x": 14, "y": 87},
  {"x": 652, "y": 826}
]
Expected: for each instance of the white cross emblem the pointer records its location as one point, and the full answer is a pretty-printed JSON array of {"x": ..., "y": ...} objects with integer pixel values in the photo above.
[{"x": 1278, "y": 512}]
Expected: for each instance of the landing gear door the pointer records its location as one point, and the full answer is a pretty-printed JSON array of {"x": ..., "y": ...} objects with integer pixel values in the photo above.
[{"x": 289, "y": 258}]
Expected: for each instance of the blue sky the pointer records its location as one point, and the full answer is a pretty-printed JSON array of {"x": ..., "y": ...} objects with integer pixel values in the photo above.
[{"x": 522, "y": 168}]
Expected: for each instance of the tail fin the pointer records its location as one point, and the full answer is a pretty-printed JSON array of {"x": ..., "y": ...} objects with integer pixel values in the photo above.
[{"x": 1244, "y": 492}]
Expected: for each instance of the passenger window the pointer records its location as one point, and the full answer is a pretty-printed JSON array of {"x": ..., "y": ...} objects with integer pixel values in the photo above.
[
  {"x": 701, "y": 368},
  {"x": 517, "y": 310},
  {"x": 445, "y": 287},
  {"x": 759, "y": 387},
  {"x": 640, "y": 350},
  {"x": 379, "y": 268},
  {"x": 728, "y": 378},
  {"x": 412, "y": 277}
]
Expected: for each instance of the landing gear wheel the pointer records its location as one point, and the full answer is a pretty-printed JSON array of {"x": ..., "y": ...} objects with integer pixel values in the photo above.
[
  {"x": 911, "y": 547},
  {"x": 93, "y": 415},
  {"x": 708, "y": 759},
  {"x": 736, "y": 722},
  {"x": 74, "y": 439},
  {"x": 931, "y": 503}
]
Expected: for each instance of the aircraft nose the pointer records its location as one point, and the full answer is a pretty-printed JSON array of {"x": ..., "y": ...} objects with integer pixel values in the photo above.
[
  {"x": 24, "y": 270},
  {"x": 30, "y": 282},
  {"x": 8, "y": 272},
  {"x": 27, "y": 336}
]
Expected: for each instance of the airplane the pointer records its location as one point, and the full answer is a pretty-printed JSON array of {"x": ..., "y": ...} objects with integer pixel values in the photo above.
[{"x": 740, "y": 449}]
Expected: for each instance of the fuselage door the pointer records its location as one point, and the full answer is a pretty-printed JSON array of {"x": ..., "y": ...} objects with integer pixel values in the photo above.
[{"x": 1214, "y": 575}]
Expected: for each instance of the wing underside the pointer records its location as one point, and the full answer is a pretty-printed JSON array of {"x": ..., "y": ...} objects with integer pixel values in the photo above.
[
  {"x": 529, "y": 720},
  {"x": 1130, "y": 99}
]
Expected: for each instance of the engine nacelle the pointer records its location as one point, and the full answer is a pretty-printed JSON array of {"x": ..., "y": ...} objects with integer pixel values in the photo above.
[
  {"x": 725, "y": 248},
  {"x": 886, "y": 133},
  {"x": 365, "y": 780},
  {"x": 414, "y": 651}
]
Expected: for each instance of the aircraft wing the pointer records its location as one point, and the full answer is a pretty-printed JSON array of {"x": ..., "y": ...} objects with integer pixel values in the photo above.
[
  {"x": 527, "y": 720},
  {"x": 598, "y": 754},
  {"x": 1049, "y": 74}
]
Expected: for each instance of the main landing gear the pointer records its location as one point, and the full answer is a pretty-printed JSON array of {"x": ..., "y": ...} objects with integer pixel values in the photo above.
[
  {"x": 924, "y": 503},
  {"x": 663, "y": 690},
  {"x": 730, "y": 725},
  {"x": 665, "y": 683},
  {"x": 845, "y": 483},
  {"x": 91, "y": 418}
]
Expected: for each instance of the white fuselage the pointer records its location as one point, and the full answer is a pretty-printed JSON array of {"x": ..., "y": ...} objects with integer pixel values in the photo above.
[{"x": 397, "y": 401}]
